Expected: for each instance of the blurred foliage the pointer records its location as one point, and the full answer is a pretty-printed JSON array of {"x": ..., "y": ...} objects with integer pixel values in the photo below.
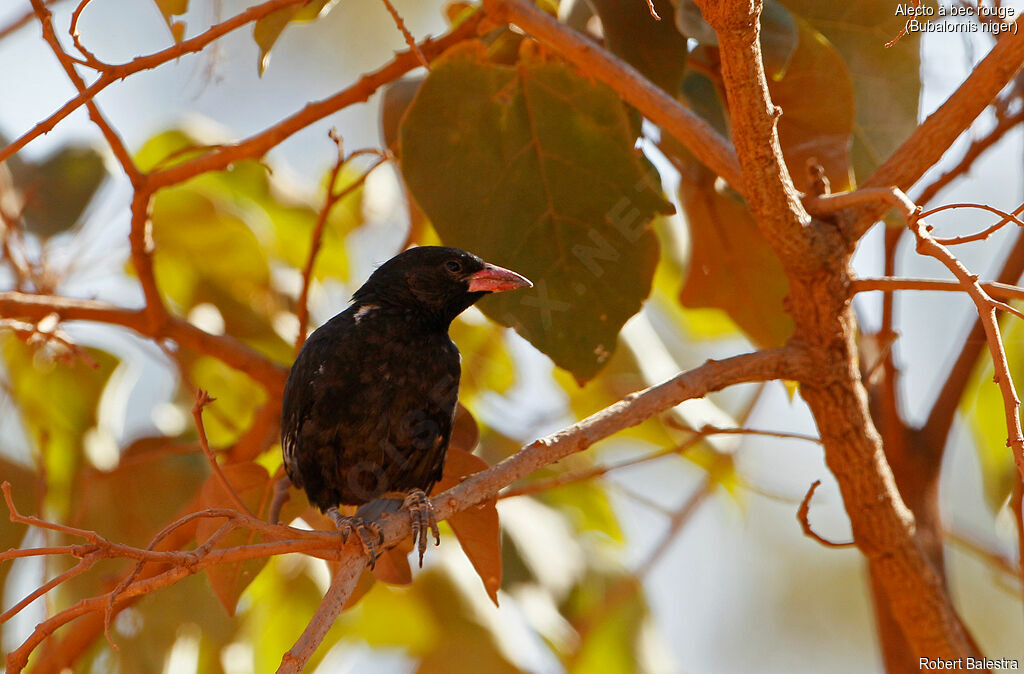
[
  {"x": 56, "y": 191},
  {"x": 269, "y": 28},
  {"x": 982, "y": 406},
  {"x": 57, "y": 405}
]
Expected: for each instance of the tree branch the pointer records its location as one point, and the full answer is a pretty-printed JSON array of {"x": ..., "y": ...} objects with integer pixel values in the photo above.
[
  {"x": 258, "y": 145},
  {"x": 787, "y": 363},
  {"x": 115, "y": 73},
  {"x": 936, "y": 134},
  {"x": 234, "y": 353},
  {"x": 817, "y": 262},
  {"x": 770, "y": 193}
]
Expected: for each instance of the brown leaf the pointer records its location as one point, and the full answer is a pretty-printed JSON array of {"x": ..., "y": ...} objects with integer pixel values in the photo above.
[
  {"x": 465, "y": 433},
  {"x": 250, "y": 482},
  {"x": 393, "y": 564},
  {"x": 477, "y": 527},
  {"x": 816, "y": 97},
  {"x": 732, "y": 267}
]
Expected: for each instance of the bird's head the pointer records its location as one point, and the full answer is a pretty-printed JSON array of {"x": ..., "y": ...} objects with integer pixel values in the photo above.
[{"x": 436, "y": 282}]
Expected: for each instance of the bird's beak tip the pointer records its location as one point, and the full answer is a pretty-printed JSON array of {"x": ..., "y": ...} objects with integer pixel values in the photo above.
[{"x": 495, "y": 279}]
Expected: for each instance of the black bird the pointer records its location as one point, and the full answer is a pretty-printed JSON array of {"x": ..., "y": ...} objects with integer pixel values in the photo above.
[{"x": 369, "y": 404}]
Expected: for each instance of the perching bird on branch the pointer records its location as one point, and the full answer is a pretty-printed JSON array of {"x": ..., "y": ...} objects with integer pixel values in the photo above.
[{"x": 369, "y": 405}]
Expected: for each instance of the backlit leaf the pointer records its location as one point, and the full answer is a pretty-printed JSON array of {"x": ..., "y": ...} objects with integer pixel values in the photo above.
[
  {"x": 476, "y": 527},
  {"x": 732, "y": 267},
  {"x": 533, "y": 167},
  {"x": 57, "y": 403},
  {"x": 250, "y": 482},
  {"x": 982, "y": 405},
  {"x": 887, "y": 82},
  {"x": 611, "y": 624},
  {"x": 170, "y": 9},
  {"x": 587, "y": 504},
  {"x": 276, "y": 608},
  {"x": 269, "y": 28},
  {"x": 816, "y": 97}
]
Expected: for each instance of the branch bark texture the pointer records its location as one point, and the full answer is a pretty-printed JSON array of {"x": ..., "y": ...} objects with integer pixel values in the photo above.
[{"x": 817, "y": 261}]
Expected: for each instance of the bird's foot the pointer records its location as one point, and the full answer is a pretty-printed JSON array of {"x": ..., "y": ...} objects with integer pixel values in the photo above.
[
  {"x": 423, "y": 518},
  {"x": 367, "y": 532}
]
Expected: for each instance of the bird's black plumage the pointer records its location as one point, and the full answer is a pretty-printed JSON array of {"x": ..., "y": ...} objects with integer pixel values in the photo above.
[{"x": 369, "y": 404}]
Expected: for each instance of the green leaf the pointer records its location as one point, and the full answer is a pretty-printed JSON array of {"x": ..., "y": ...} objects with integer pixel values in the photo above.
[
  {"x": 276, "y": 608},
  {"x": 389, "y": 617},
  {"x": 655, "y": 48},
  {"x": 533, "y": 167},
  {"x": 462, "y": 643},
  {"x": 269, "y": 28},
  {"x": 244, "y": 215},
  {"x": 886, "y": 82}
]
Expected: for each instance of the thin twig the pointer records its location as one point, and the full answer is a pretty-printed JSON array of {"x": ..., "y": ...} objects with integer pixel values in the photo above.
[
  {"x": 259, "y": 144},
  {"x": 330, "y": 201},
  {"x": 89, "y": 58},
  {"x": 113, "y": 140},
  {"x": 677, "y": 523},
  {"x": 942, "y": 413},
  {"x": 936, "y": 134},
  {"x": 21, "y": 21},
  {"x": 802, "y": 515},
  {"x": 121, "y": 71},
  {"x": 78, "y": 569},
  {"x": 202, "y": 400},
  {"x": 409, "y": 39},
  {"x": 994, "y": 289},
  {"x": 984, "y": 234}
]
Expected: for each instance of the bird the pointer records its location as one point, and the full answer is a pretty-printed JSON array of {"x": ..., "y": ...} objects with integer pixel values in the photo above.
[{"x": 369, "y": 404}]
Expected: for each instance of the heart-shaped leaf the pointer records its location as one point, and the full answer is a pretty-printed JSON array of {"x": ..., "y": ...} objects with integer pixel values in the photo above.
[{"x": 533, "y": 167}]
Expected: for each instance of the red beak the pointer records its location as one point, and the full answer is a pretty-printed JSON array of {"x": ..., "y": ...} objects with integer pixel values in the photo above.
[{"x": 494, "y": 279}]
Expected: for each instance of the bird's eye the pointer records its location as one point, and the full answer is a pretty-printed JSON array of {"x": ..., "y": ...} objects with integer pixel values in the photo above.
[{"x": 453, "y": 266}]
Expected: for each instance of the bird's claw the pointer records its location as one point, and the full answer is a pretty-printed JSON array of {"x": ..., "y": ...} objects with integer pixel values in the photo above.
[
  {"x": 423, "y": 518},
  {"x": 346, "y": 525}
]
